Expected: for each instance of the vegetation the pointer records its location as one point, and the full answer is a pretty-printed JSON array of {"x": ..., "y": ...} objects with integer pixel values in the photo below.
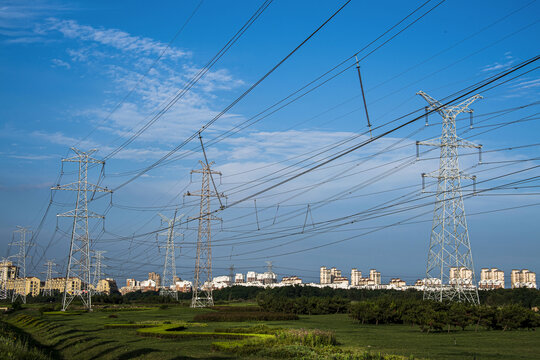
[
  {"x": 15, "y": 344},
  {"x": 95, "y": 335},
  {"x": 303, "y": 305},
  {"x": 435, "y": 316}
]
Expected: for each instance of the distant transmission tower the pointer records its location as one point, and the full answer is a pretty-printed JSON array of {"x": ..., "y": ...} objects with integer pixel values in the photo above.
[
  {"x": 168, "y": 285},
  {"x": 98, "y": 274},
  {"x": 21, "y": 265},
  {"x": 202, "y": 288},
  {"x": 450, "y": 270},
  {"x": 79, "y": 252},
  {"x": 48, "y": 290},
  {"x": 4, "y": 276}
]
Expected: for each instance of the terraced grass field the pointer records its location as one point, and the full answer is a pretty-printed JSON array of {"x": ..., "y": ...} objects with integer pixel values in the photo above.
[{"x": 85, "y": 336}]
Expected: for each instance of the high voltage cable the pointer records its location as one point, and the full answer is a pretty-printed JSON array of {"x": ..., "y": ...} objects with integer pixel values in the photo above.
[
  {"x": 364, "y": 143},
  {"x": 195, "y": 79},
  {"x": 238, "y": 99},
  {"x": 141, "y": 77},
  {"x": 211, "y": 122}
]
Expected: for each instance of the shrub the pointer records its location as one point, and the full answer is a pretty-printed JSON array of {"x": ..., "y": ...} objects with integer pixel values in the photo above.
[
  {"x": 307, "y": 337},
  {"x": 244, "y": 316},
  {"x": 113, "y": 316},
  {"x": 163, "y": 307}
]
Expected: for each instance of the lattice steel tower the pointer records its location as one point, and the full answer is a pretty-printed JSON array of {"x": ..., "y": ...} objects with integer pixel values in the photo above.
[
  {"x": 202, "y": 288},
  {"x": 168, "y": 286},
  {"x": 47, "y": 289},
  {"x": 79, "y": 252},
  {"x": 98, "y": 273},
  {"x": 450, "y": 270},
  {"x": 4, "y": 276},
  {"x": 21, "y": 264}
]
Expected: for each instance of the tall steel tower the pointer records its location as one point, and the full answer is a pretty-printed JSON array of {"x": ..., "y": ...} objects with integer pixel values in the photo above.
[
  {"x": 47, "y": 289},
  {"x": 78, "y": 268},
  {"x": 450, "y": 270},
  {"x": 168, "y": 286},
  {"x": 21, "y": 265},
  {"x": 202, "y": 288},
  {"x": 4, "y": 276},
  {"x": 98, "y": 274}
]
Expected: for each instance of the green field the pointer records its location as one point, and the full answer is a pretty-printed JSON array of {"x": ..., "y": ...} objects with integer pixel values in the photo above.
[{"x": 84, "y": 336}]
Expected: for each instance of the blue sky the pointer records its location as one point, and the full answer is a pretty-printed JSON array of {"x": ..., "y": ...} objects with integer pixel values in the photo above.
[{"x": 65, "y": 66}]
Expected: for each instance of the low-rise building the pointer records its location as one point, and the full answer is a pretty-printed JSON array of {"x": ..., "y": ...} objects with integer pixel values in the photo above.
[
  {"x": 106, "y": 286},
  {"x": 74, "y": 284},
  {"x": 291, "y": 280},
  {"x": 340, "y": 280},
  {"x": 239, "y": 278},
  {"x": 27, "y": 286},
  {"x": 396, "y": 283},
  {"x": 8, "y": 271}
]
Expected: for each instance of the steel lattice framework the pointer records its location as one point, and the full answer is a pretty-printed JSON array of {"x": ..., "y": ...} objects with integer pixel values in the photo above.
[
  {"x": 168, "y": 286},
  {"x": 47, "y": 289},
  {"x": 21, "y": 264},
  {"x": 202, "y": 288},
  {"x": 98, "y": 273},
  {"x": 3, "y": 279},
  {"x": 450, "y": 270},
  {"x": 79, "y": 251}
]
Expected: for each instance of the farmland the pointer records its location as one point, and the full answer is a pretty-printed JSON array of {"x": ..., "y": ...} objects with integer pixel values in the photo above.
[{"x": 124, "y": 332}]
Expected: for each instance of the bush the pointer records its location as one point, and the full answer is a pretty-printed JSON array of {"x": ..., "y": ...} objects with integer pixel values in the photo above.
[
  {"x": 306, "y": 337},
  {"x": 303, "y": 305},
  {"x": 113, "y": 316},
  {"x": 244, "y": 316},
  {"x": 163, "y": 307},
  {"x": 436, "y": 316}
]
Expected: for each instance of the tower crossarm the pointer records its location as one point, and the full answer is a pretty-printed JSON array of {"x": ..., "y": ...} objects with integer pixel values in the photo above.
[
  {"x": 76, "y": 186},
  {"x": 459, "y": 143},
  {"x": 81, "y": 213},
  {"x": 437, "y": 175},
  {"x": 463, "y": 106},
  {"x": 433, "y": 104}
]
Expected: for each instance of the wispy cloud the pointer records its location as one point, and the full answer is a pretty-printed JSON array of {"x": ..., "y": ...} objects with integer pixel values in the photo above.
[
  {"x": 115, "y": 38},
  {"x": 504, "y": 64},
  {"x": 60, "y": 63}
]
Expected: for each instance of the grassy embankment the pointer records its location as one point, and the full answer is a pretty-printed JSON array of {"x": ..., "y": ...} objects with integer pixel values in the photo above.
[{"x": 85, "y": 336}]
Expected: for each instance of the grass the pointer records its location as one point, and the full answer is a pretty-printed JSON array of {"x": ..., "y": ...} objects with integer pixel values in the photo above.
[{"x": 84, "y": 336}]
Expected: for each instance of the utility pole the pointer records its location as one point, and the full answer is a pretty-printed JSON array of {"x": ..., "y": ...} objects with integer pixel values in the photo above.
[
  {"x": 79, "y": 252},
  {"x": 21, "y": 264},
  {"x": 47, "y": 290},
  {"x": 98, "y": 274},
  {"x": 168, "y": 285},
  {"x": 202, "y": 288},
  {"x": 450, "y": 270}
]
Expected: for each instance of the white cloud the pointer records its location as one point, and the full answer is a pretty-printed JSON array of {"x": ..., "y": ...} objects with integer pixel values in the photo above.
[
  {"x": 509, "y": 60},
  {"x": 60, "y": 63},
  {"x": 115, "y": 38}
]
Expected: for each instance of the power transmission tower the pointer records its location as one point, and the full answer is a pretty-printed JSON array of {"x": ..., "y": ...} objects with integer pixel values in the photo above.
[
  {"x": 48, "y": 290},
  {"x": 4, "y": 276},
  {"x": 202, "y": 288},
  {"x": 450, "y": 270},
  {"x": 98, "y": 274},
  {"x": 79, "y": 252},
  {"x": 168, "y": 285},
  {"x": 231, "y": 275},
  {"x": 21, "y": 264}
]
